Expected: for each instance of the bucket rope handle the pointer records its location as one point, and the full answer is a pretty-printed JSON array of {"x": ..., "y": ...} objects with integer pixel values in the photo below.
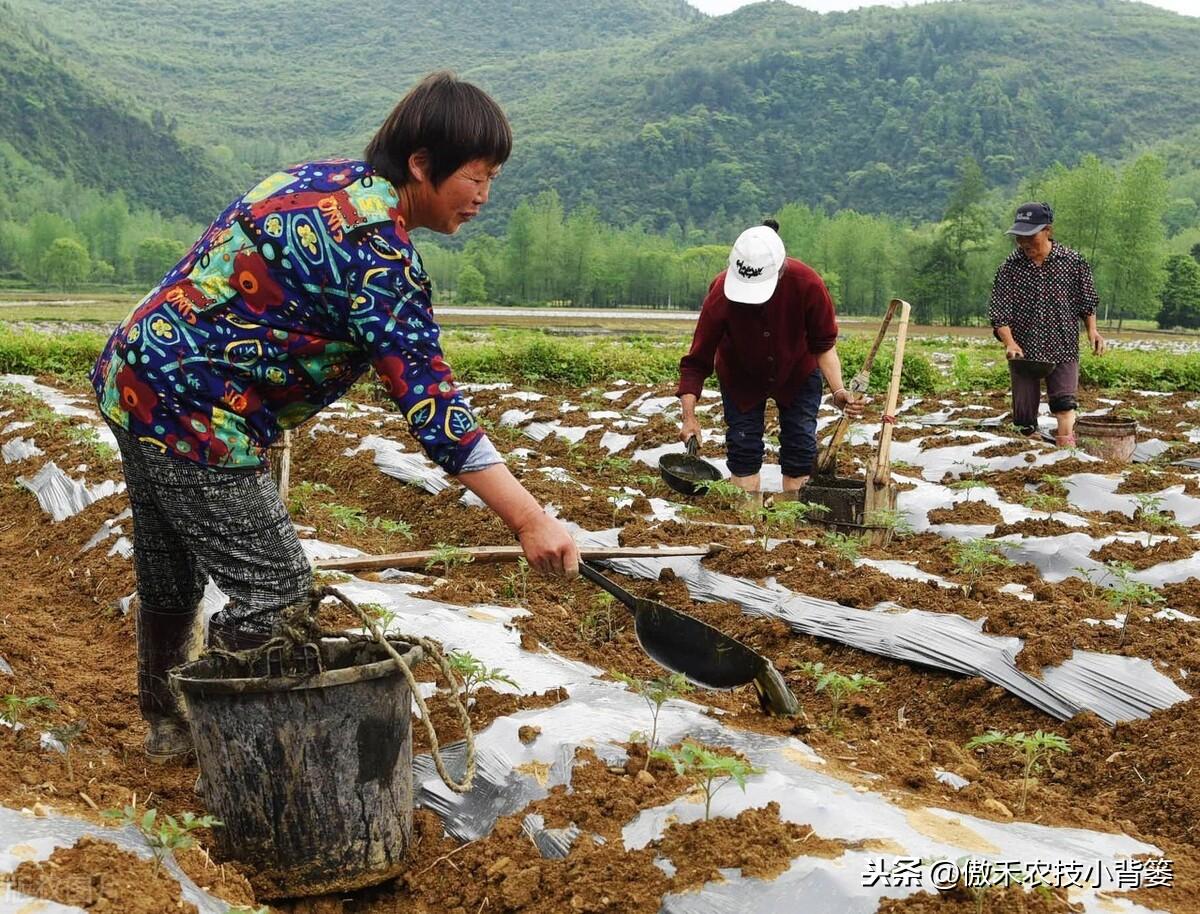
[{"x": 300, "y": 626}]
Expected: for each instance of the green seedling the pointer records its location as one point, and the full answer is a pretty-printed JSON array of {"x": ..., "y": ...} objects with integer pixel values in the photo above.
[
  {"x": 379, "y": 614},
  {"x": 516, "y": 582},
  {"x": 890, "y": 519},
  {"x": 449, "y": 557},
  {"x": 322, "y": 578},
  {"x": 13, "y": 708},
  {"x": 1054, "y": 484},
  {"x": 614, "y": 464},
  {"x": 165, "y": 834},
  {"x": 1127, "y": 595},
  {"x": 1029, "y": 748},
  {"x": 89, "y": 440},
  {"x": 598, "y": 625},
  {"x": 67, "y": 734},
  {"x": 474, "y": 673},
  {"x": 1089, "y": 575},
  {"x": 688, "y": 512},
  {"x": 838, "y": 687},
  {"x": 721, "y": 490},
  {"x": 301, "y": 494},
  {"x": 647, "y": 482},
  {"x": 656, "y": 693},
  {"x": 706, "y": 769},
  {"x": 847, "y": 548},
  {"x": 1049, "y": 504},
  {"x": 786, "y": 515},
  {"x": 393, "y": 527},
  {"x": 1149, "y": 512},
  {"x": 973, "y": 558},
  {"x": 348, "y": 518},
  {"x": 969, "y": 486}
]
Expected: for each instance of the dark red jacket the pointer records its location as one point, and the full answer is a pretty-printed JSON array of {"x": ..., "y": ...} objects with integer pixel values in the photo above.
[{"x": 761, "y": 351}]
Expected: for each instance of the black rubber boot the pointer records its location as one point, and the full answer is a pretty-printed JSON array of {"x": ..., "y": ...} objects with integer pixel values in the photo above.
[{"x": 163, "y": 641}]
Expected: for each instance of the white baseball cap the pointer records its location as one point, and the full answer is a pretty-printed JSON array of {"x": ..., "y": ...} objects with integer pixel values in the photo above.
[{"x": 754, "y": 264}]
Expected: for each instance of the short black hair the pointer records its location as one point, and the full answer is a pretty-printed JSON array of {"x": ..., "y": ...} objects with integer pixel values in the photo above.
[
  {"x": 771, "y": 224},
  {"x": 454, "y": 121}
]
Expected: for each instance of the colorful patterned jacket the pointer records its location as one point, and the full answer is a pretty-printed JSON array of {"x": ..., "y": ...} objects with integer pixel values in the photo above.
[{"x": 279, "y": 307}]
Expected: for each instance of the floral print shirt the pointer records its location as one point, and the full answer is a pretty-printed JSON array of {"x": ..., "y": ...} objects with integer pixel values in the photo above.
[{"x": 287, "y": 298}]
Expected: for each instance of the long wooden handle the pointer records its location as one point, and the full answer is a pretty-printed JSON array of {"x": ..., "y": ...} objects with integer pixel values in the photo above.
[
  {"x": 487, "y": 554},
  {"x": 827, "y": 462},
  {"x": 883, "y": 328},
  {"x": 883, "y": 468}
]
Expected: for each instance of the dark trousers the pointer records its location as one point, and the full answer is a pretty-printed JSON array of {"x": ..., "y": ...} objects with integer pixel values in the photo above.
[
  {"x": 1061, "y": 386},
  {"x": 191, "y": 523},
  {"x": 744, "y": 447}
]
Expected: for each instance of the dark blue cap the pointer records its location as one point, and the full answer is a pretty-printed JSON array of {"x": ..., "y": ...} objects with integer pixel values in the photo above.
[{"x": 1031, "y": 219}]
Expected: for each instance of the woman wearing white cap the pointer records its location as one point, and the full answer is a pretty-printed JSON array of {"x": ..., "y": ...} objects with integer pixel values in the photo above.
[{"x": 768, "y": 327}]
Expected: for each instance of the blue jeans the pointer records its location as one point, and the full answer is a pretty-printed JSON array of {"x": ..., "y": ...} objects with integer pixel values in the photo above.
[{"x": 797, "y": 432}]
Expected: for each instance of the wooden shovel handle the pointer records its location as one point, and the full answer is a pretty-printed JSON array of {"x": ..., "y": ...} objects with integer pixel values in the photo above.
[
  {"x": 827, "y": 463},
  {"x": 883, "y": 468},
  {"x": 486, "y": 554}
]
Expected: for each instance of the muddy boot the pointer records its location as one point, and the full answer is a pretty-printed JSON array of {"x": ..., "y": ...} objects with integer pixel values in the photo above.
[{"x": 163, "y": 641}]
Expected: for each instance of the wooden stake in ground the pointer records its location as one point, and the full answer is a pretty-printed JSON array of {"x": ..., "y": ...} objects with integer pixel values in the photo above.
[
  {"x": 488, "y": 554},
  {"x": 280, "y": 459},
  {"x": 881, "y": 490}
]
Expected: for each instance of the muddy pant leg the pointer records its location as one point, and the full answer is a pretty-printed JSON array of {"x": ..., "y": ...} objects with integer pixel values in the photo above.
[
  {"x": 798, "y": 428},
  {"x": 239, "y": 530},
  {"x": 170, "y": 584},
  {"x": 1026, "y": 395},
  {"x": 1062, "y": 384},
  {"x": 743, "y": 437}
]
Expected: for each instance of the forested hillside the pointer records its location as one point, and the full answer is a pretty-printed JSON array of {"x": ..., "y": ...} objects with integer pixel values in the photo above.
[
  {"x": 655, "y": 113},
  {"x": 54, "y": 122}
]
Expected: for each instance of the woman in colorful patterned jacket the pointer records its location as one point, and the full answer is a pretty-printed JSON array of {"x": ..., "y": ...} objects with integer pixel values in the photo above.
[{"x": 290, "y": 295}]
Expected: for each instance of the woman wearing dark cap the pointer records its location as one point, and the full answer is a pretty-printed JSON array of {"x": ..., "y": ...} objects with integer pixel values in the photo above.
[
  {"x": 1041, "y": 292},
  {"x": 296, "y": 290}
]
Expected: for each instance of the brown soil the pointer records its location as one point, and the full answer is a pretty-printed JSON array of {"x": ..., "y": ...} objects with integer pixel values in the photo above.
[
  {"x": 64, "y": 640},
  {"x": 1141, "y": 556},
  {"x": 937, "y": 441},
  {"x": 98, "y": 876},
  {"x": 1011, "y": 449},
  {"x": 966, "y": 512},
  {"x": 1036, "y": 526}
]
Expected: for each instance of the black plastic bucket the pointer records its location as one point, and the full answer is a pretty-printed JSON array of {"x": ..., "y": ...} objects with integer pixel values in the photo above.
[
  {"x": 845, "y": 498},
  {"x": 307, "y": 758}
]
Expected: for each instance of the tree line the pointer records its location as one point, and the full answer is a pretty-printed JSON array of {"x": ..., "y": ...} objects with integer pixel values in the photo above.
[{"x": 1143, "y": 247}]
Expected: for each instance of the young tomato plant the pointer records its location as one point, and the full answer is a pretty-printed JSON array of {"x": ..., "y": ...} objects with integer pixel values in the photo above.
[
  {"x": 1127, "y": 595},
  {"x": 516, "y": 582},
  {"x": 166, "y": 834},
  {"x": 968, "y": 486},
  {"x": 973, "y": 558},
  {"x": 838, "y": 687},
  {"x": 598, "y": 625},
  {"x": 13, "y": 708},
  {"x": 847, "y": 548},
  {"x": 656, "y": 693},
  {"x": 67, "y": 734},
  {"x": 785, "y": 515},
  {"x": 706, "y": 769},
  {"x": 1029, "y": 748},
  {"x": 721, "y": 490},
  {"x": 890, "y": 519},
  {"x": 448, "y": 557},
  {"x": 474, "y": 673}
]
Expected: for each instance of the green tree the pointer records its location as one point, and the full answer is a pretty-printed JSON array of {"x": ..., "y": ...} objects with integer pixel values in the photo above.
[
  {"x": 154, "y": 257},
  {"x": 65, "y": 263},
  {"x": 1134, "y": 267},
  {"x": 471, "y": 286},
  {"x": 1181, "y": 293}
]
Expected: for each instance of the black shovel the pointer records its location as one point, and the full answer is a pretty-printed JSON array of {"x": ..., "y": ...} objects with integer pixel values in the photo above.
[
  {"x": 685, "y": 472},
  {"x": 706, "y": 656}
]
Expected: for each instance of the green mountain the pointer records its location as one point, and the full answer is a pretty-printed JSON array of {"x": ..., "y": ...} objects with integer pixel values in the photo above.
[
  {"x": 55, "y": 123},
  {"x": 653, "y": 112}
]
